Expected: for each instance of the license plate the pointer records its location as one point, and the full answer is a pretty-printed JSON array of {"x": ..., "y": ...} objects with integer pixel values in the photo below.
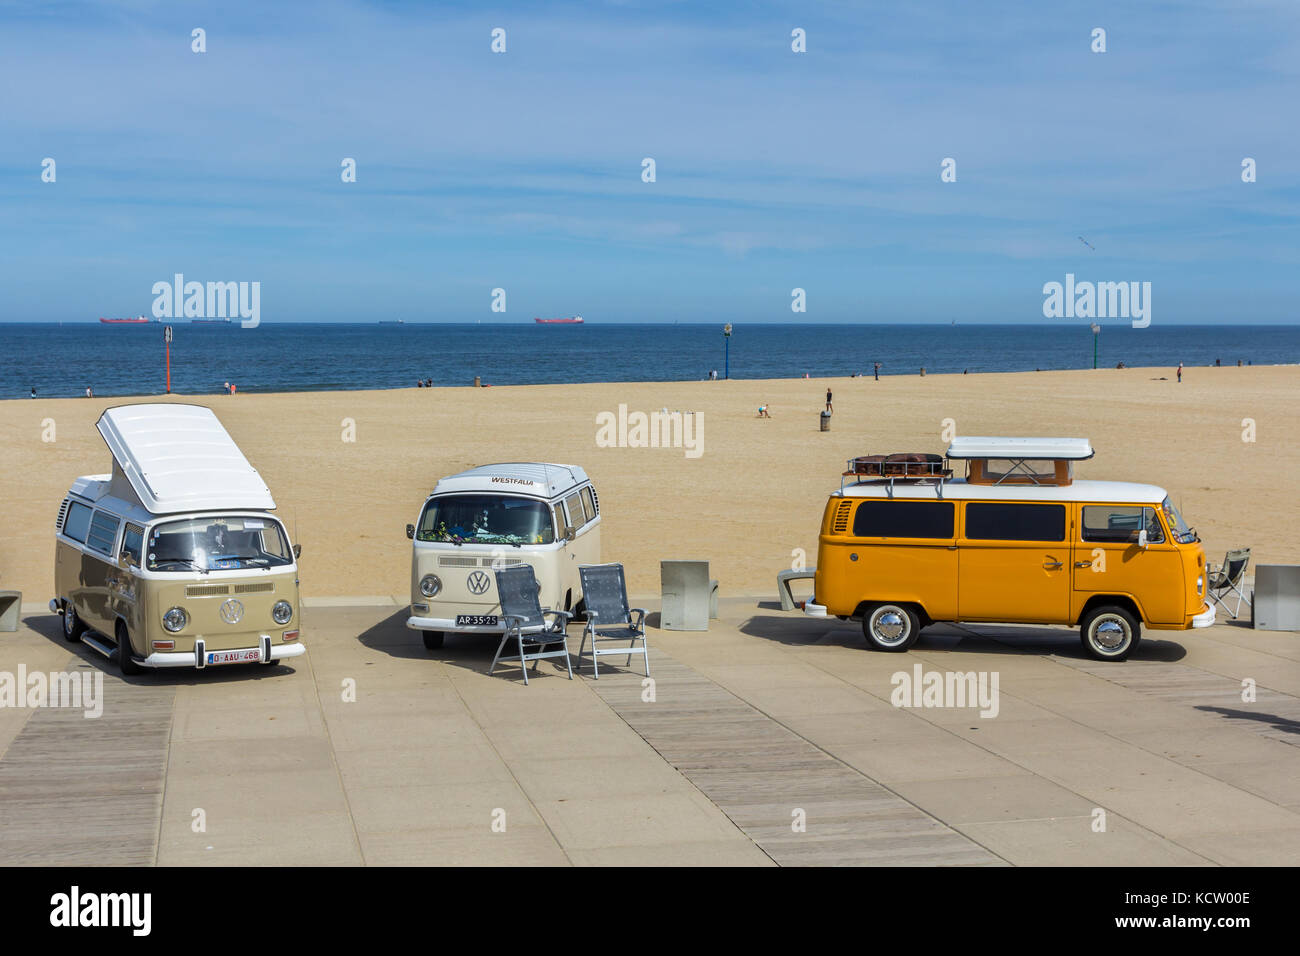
[
  {"x": 476, "y": 620},
  {"x": 234, "y": 657}
]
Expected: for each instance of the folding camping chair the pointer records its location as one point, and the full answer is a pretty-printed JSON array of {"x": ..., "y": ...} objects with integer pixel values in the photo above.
[
  {"x": 604, "y": 595},
  {"x": 535, "y": 630},
  {"x": 1228, "y": 577}
]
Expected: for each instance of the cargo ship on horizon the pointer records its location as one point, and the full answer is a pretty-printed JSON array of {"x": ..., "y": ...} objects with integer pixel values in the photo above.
[
  {"x": 141, "y": 320},
  {"x": 568, "y": 320}
]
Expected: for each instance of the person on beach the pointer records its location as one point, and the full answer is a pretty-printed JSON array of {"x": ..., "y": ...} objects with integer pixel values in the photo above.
[
  {"x": 1180, "y": 372},
  {"x": 763, "y": 412},
  {"x": 877, "y": 371},
  {"x": 828, "y": 401},
  {"x": 33, "y": 391},
  {"x": 90, "y": 392},
  {"x": 419, "y": 383}
]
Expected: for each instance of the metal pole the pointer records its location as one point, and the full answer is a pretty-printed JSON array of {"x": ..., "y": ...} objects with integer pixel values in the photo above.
[
  {"x": 167, "y": 339},
  {"x": 726, "y": 368}
]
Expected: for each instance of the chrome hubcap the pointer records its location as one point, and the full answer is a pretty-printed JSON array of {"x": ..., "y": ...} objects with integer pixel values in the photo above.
[
  {"x": 69, "y": 617},
  {"x": 1109, "y": 633},
  {"x": 890, "y": 627}
]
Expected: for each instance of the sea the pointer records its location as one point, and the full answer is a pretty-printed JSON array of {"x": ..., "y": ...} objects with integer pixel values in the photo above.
[{"x": 63, "y": 360}]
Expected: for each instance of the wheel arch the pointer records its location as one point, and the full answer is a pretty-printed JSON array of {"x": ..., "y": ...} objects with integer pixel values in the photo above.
[{"x": 1117, "y": 600}]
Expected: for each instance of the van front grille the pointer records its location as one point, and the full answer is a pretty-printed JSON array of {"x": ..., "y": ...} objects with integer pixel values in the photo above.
[
  {"x": 206, "y": 590},
  {"x": 253, "y": 588},
  {"x": 503, "y": 563},
  {"x": 446, "y": 562},
  {"x": 840, "y": 520}
]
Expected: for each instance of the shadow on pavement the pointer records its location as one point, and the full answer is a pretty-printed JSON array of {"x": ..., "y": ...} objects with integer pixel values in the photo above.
[{"x": 50, "y": 627}]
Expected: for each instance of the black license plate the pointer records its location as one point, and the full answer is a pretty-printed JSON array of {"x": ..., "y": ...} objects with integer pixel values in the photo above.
[{"x": 476, "y": 620}]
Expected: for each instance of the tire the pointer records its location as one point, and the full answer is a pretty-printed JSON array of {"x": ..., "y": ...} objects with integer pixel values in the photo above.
[
  {"x": 433, "y": 640},
  {"x": 1110, "y": 633},
  {"x": 73, "y": 626},
  {"x": 271, "y": 663},
  {"x": 891, "y": 627},
  {"x": 125, "y": 663}
]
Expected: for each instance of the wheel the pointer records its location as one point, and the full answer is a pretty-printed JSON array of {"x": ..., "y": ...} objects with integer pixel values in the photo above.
[
  {"x": 1110, "y": 633},
  {"x": 891, "y": 627},
  {"x": 73, "y": 626},
  {"x": 433, "y": 639},
  {"x": 125, "y": 662}
]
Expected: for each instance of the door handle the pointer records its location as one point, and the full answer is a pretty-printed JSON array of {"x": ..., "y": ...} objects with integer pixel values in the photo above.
[
  {"x": 1083, "y": 564},
  {"x": 1051, "y": 565}
]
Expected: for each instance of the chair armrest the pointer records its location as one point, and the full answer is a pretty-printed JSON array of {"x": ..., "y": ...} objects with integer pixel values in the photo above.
[
  {"x": 566, "y": 616},
  {"x": 639, "y": 614}
]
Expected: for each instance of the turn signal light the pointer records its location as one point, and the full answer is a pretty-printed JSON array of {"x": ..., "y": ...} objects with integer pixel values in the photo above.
[
  {"x": 164, "y": 645},
  {"x": 290, "y": 635}
]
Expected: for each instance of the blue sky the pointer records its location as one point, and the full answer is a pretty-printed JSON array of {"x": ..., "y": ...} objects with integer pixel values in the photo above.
[{"x": 775, "y": 170}]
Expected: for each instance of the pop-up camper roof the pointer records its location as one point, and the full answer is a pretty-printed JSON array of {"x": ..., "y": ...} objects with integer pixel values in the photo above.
[
  {"x": 179, "y": 458},
  {"x": 1058, "y": 449}
]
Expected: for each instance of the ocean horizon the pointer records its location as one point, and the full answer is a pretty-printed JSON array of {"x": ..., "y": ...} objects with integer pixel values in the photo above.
[{"x": 63, "y": 359}]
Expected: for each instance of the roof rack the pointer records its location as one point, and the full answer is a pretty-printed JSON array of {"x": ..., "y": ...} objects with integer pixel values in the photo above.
[{"x": 912, "y": 467}]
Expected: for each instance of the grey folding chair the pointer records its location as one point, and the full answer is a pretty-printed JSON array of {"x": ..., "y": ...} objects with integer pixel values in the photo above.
[
  {"x": 604, "y": 594},
  {"x": 538, "y": 632},
  {"x": 1228, "y": 577}
]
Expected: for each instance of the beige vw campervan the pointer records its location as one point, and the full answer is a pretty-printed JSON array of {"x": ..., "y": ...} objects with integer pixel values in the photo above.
[
  {"x": 175, "y": 559},
  {"x": 533, "y": 513}
]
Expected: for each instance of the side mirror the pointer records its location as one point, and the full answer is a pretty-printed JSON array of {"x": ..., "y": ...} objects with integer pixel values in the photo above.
[
  {"x": 569, "y": 533},
  {"x": 124, "y": 561},
  {"x": 1142, "y": 538},
  {"x": 297, "y": 551},
  {"x": 410, "y": 531}
]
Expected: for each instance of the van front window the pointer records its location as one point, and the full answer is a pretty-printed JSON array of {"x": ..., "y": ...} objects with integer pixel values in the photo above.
[
  {"x": 486, "y": 519},
  {"x": 1177, "y": 526},
  {"x": 217, "y": 544}
]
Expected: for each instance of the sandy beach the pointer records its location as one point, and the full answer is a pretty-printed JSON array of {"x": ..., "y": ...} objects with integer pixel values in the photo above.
[{"x": 752, "y": 497}]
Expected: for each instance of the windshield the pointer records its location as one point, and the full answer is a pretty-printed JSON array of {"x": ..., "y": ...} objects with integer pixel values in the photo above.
[
  {"x": 217, "y": 544},
  {"x": 1177, "y": 526},
  {"x": 486, "y": 519}
]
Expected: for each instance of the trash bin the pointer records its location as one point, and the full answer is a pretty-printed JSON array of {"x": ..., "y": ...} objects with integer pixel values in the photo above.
[
  {"x": 826, "y": 421},
  {"x": 477, "y": 382}
]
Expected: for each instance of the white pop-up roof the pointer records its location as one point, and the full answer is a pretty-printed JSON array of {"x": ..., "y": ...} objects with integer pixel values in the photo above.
[
  {"x": 522, "y": 477},
  {"x": 1069, "y": 449},
  {"x": 180, "y": 458}
]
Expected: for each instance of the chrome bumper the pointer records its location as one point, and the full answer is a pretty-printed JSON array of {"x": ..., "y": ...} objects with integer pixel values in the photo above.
[
  {"x": 449, "y": 624},
  {"x": 814, "y": 610},
  {"x": 197, "y": 658},
  {"x": 1206, "y": 617}
]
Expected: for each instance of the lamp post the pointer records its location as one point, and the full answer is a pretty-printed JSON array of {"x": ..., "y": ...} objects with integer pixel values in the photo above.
[
  {"x": 1096, "y": 330},
  {"x": 726, "y": 337},
  {"x": 167, "y": 341}
]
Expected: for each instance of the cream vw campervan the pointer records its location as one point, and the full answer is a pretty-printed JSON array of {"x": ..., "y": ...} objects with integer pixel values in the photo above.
[
  {"x": 533, "y": 513},
  {"x": 174, "y": 559}
]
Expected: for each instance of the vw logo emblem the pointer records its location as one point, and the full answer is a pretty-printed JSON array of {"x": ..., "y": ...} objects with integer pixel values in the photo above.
[
  {"x": 479, "y": 582},
  {"x": 232, "y": 611}
]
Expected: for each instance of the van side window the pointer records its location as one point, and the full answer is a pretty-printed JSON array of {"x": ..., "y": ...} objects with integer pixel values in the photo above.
[
  {"x": 995, "y": 521},
  {"x": 903, "y": 519},
  {"x": 77, "y": 523},
  {"x": 133, "y": 543},
  {"x": 103, "y": 532},
  {"x": 1120, "y": 524},
  {"x": 588, "y": 503},
  {"x": 576, "y": 518}
]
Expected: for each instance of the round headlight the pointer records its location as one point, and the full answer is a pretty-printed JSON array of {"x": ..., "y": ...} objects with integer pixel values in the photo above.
[
  {"x": 430, "y": 585},
  {"x": 282, "y": 612},
  {"x": 176, "y": 619}
]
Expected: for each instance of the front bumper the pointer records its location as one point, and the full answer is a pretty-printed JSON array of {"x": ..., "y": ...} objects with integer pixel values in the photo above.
[
  {"x": 1206, "y": 617},
  {"x": 449, "y": 625},
  {"x": 197, "y": 658},
  {"x": 814, "y": 610}
]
